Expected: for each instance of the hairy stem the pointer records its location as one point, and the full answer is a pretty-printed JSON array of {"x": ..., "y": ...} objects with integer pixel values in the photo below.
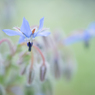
[
  {"x": 40, "y": 53},
  {"x": 32, "y": 54},
  {"x": 32, "y": 60},
  {"x": 9, "y": 43}
]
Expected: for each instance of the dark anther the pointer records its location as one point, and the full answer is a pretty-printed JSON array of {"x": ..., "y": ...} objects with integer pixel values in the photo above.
[{"x": 29, "y": 45}]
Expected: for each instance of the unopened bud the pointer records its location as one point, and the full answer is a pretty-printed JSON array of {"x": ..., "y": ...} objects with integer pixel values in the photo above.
[
  {"x": 68, "y": 74},
  {"x": 30, "y": 76},
  {"x": 57, "y": 71},
  {"x": 23, "y": 70},
  {"x": 42, "y": 72}
]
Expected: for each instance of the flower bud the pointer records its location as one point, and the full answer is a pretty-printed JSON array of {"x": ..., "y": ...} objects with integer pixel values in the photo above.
[
  {"x": 57, "y": 71},
  {"x": 23, "y": 70},
  {"x": 68, "y": 73},
  {"x": 30, "y": 76},
  {"x": 42, "y": 72}
]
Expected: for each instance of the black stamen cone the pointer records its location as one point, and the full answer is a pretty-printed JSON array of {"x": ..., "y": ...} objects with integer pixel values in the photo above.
[
  {"x": 29, "y": 45},
  {"x": 29, "y": 48}
]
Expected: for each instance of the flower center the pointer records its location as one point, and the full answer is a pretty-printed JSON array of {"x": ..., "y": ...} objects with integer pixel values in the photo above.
[
  {"x": 33, "y": 31},
  {"x": 29, "y": 39}
]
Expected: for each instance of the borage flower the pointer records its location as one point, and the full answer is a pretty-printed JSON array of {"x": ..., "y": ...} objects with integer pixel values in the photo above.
[
  {"x": 28, "y": 34},
  {"x": 83, "y": 35}
]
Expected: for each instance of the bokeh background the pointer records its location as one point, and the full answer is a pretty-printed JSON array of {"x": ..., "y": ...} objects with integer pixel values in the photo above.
[{"x": 67, "y": 15}]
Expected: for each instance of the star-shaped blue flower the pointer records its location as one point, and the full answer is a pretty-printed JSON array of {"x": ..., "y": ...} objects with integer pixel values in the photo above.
[
  {"x": 84, "y": 35},
  {"x": 26, "y": 33}
]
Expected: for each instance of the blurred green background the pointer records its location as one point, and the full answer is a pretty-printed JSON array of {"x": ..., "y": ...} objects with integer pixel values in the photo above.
[{"x": 67, "y": 15}]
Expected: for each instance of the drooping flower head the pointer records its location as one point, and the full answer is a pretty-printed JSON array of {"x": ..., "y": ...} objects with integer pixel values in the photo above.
[
  {"x": 83, "y": 35},
  {"x": 26, "y": 33}
]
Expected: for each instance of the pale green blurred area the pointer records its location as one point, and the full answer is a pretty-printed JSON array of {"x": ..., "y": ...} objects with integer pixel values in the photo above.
[{"x": 67, "y": 15}]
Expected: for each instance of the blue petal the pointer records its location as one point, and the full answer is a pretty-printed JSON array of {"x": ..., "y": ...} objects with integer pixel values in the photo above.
[
  {"x": 40, "y": 26},
  {"x": 21, "y": 40},
  {"x": 91, "y": 26},
  {"x": 35, "y": 34},
  {"x": 12, "y": 32},
  {"x": 25, "y": 28},
  {"x": 43, "y": 34},
  {"x": 86, "y": 35},
  {"x": 73, "y": 39},
  {"x": 41, "y": 23}
]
